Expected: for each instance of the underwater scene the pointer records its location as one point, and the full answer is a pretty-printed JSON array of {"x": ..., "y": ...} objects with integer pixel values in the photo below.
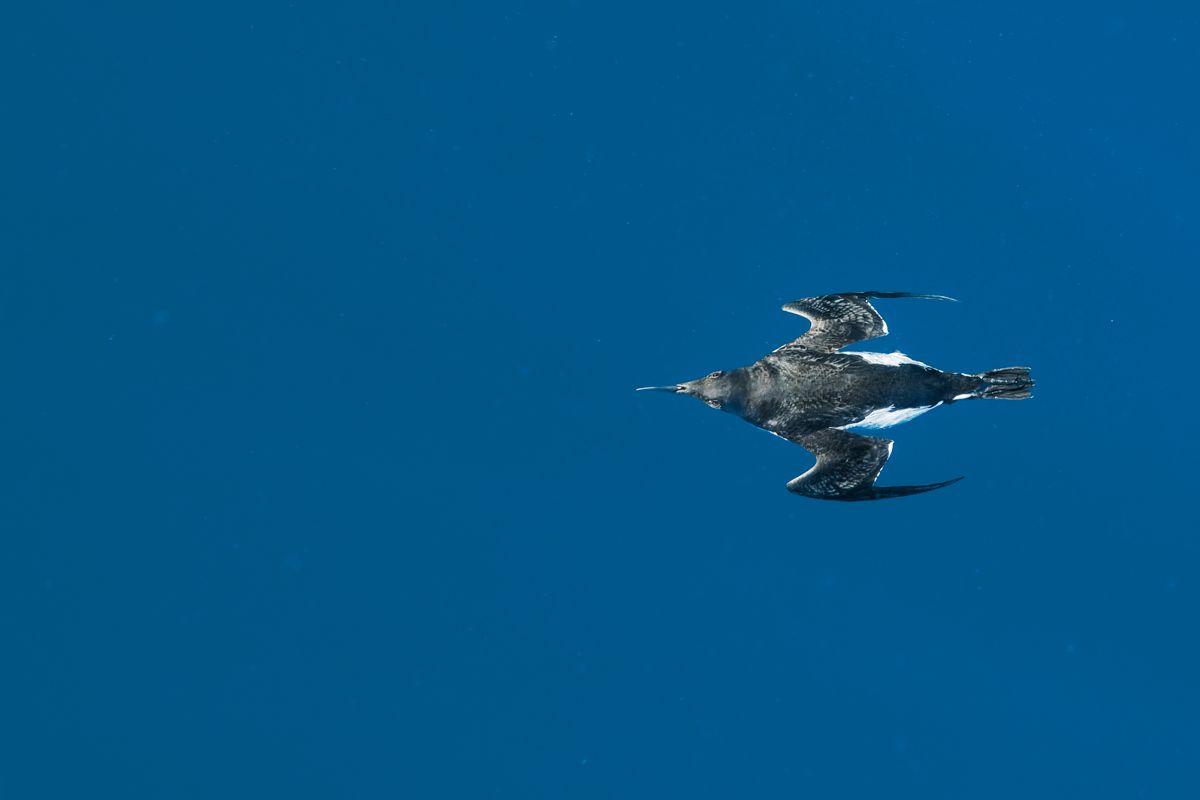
[{"x": 325, "y": 470}]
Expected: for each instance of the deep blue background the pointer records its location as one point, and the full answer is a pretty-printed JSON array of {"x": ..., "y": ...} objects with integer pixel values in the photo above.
[{"x": 322, "y": 471}]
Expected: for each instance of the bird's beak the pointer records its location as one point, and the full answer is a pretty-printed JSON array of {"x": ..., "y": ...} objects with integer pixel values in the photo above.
[{"x": 675, "y": 389}]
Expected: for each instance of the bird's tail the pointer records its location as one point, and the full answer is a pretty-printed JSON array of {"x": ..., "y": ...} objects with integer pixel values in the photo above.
[{"x": 1006, "y": 383}]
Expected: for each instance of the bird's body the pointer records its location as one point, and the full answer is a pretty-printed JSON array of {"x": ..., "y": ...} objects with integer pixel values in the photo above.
[
  {"x": 810, "y": 393},
  {"x": 795, "y": 392}
]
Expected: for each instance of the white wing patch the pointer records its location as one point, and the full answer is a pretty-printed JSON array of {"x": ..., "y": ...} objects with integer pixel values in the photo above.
[
  {"x": 887, "y": 359},
  {"x": 887, "y": 417},
  {"x": 884, "y": 464}
]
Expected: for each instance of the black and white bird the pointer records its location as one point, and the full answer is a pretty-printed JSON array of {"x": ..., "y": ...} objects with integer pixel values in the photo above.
[{"x": 810, "y": 393}]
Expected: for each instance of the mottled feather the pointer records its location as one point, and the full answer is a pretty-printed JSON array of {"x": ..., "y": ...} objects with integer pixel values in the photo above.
[{"x": 842, "y": 319}]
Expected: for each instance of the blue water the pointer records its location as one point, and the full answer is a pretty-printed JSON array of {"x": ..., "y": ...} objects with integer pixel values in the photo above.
[{"x": 323, "y": 475}]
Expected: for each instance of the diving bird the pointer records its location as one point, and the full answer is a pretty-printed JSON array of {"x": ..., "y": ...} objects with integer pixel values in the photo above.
[{"x": 810, "y": 392}]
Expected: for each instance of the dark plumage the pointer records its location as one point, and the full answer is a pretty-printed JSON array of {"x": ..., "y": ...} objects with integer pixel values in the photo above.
[{"x": 809, "y": 393}]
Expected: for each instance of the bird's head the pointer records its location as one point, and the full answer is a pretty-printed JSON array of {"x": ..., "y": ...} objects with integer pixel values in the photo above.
[{"x": 717, "y": 389}]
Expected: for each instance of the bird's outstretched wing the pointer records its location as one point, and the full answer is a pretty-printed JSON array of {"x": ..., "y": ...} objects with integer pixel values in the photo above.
[
  {"x": 847, "y": 466},
  {"x": 841, "y": 319}
]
